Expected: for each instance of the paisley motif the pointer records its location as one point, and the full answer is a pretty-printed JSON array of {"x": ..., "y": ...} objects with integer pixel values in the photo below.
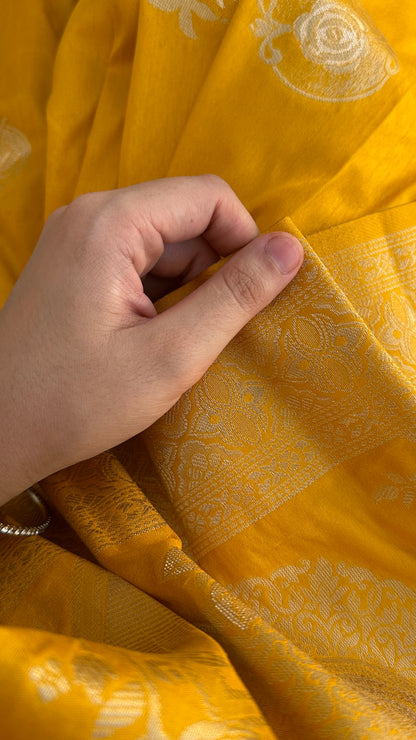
[{"x": 332, "y": 53}]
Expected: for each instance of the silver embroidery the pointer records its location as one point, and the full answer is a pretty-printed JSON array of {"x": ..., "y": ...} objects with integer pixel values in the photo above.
[
  {"x": 14, "y": 150},
  {"x": 186, "y": 10},
  {"x": 331, "y": 53}
]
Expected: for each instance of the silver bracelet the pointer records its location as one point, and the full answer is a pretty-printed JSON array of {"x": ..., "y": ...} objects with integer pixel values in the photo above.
[{"x": 37, "y": 528}]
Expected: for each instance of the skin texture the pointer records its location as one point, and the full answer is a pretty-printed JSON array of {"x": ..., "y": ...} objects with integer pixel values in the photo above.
[{"x": 86, "y": 360}]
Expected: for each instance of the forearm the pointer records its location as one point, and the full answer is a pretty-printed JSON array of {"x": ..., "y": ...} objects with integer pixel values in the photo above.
[{"x": 21, "y": 462}]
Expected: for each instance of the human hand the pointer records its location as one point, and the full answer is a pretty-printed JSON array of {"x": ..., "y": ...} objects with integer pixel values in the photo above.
[{"x": 86, "y": 360}]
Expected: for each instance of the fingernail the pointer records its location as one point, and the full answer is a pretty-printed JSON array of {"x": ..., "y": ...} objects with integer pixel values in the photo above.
[{"x": 286, "y": 251}]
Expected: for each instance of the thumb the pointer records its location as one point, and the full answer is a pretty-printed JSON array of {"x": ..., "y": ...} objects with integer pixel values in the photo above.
[{"x": 202, "y": 324}]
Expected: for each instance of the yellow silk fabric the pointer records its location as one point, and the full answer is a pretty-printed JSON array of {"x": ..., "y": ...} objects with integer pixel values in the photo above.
[{"x": 245, "y": 568}]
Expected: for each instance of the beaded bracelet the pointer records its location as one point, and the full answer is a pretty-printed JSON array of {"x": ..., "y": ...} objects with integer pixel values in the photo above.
[{"x": 37, "y": 528}]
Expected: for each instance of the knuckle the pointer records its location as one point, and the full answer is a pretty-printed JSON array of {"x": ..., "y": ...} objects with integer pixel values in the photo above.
[
  {"x": 54, "y": 219},
  {"x": 83, "y": 219},
  {"x": 243, "y": 287},
  {"x": 216, "y": 178},
  {"x": 217, "y": 182},
  {"x": 84, "y": 202},
  {"x": 57, "y": 213}
]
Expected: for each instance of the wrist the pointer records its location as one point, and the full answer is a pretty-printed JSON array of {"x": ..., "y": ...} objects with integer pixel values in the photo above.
[{"x": 20, "y": 463}]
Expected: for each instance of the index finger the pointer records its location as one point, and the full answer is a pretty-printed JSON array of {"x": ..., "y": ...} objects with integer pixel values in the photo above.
[{"x": 181, "y": 208}]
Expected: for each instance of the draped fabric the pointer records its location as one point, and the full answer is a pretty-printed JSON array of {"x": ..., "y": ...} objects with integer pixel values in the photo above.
[{"x": 246, "y": 567}]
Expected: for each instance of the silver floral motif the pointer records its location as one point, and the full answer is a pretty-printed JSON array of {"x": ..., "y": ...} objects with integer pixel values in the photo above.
[
  {"x": 332, "y": 53},
  {"x": 187, "y": 9},
  {"x": 335, "y": 609},
  {"x": 332, "y": 36},
  {"x": 14, "y": 150},
  {"x": 399, "y": 487}
]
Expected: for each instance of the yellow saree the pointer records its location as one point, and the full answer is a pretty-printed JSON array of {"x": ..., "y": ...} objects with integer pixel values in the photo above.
[{"x": 246, "y": 567}]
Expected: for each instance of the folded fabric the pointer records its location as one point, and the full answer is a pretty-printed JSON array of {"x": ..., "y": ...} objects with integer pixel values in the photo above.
[{"x": 246, "y": 566}]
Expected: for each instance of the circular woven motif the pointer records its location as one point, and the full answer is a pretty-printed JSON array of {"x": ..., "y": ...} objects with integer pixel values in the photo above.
[{"x": 331, "y": 53}]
